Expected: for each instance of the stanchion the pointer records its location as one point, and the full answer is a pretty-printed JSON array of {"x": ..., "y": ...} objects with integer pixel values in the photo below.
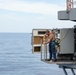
[
  {"x": 41, "y": 50},
  {"x": 45, "y": 51}
]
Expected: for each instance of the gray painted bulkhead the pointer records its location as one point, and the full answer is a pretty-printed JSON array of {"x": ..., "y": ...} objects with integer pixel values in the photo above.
[
  {"x": 64, "y": 15},
  {"x": 67, "y": 41}
]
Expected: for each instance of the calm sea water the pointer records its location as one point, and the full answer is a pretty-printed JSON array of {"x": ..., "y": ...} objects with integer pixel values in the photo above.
[{"x": 16, "y": 57}]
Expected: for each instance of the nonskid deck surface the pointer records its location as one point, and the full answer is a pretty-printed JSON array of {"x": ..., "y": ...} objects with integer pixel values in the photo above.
[{"x": 60, "y": 61}]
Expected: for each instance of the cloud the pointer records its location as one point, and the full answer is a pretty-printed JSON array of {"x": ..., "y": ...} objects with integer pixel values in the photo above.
[
  {"x": 29, "y": 7},
  {"x": 17, "y": 19}
]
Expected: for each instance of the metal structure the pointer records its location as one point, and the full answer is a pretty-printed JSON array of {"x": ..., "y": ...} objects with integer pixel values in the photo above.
[
  {"x": 37, "y": 36},
  {"x": 67, "y": 44},
  {"x": 70, "y": 4},
  {"x": 67, "y": 48},
  {"x": 69, "y": 14},
  {"x": 44, "y": 52},
  {"x": 72, "y": 67},
  {"x": 68, "y": 40}
]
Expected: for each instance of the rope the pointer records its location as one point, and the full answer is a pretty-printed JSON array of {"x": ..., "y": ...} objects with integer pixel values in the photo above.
[{"x": 64, "y": 35}]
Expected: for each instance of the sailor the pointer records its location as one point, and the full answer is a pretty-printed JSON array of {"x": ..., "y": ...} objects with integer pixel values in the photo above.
[{"x": 51, "y": 40}]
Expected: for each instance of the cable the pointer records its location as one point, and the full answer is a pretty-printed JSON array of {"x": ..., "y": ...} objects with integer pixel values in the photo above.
[{"x": 65, "y": 35}]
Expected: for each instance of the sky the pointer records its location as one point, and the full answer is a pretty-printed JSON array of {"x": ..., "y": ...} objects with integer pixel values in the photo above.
[{"x": 24, "y": 15}]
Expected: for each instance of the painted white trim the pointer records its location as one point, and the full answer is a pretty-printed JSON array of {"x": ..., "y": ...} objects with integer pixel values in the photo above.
[{"x": 37, "y": 45}]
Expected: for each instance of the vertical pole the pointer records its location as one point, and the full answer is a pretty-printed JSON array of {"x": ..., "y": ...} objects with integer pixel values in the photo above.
[
  {"x": 72, "y": 3},
  {"x": 68, "y": 5},
  {"x": 44, "y": 51},
  {"x": 41, "y": 49},
  {"x": 32, "y": 40}
]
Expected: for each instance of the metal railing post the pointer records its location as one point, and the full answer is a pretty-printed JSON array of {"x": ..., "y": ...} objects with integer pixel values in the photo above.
[
  {"x": 44, "y": 51},
  {"x": 43, "y": 56},
  {"x": 41, "y": 49},
  {"x": 72, "y": 3}
]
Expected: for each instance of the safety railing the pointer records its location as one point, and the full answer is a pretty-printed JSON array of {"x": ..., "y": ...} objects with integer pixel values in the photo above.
[{"x": 44, "y": 51}]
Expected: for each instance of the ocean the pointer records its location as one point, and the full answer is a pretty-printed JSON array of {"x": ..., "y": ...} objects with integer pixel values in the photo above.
[{"x": 16, "y": 57}]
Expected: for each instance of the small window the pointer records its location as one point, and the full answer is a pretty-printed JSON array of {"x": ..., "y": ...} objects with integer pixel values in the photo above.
[
  {"x": 37, "y": 49},
  {"x": 41, "y": 32}
]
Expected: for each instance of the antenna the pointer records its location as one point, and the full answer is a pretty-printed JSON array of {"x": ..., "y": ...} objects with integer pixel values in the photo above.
[{"x": 70, "y": 4}]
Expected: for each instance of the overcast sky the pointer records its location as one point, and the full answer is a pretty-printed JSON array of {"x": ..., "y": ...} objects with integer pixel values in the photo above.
[{"x": 25, "y": 15}]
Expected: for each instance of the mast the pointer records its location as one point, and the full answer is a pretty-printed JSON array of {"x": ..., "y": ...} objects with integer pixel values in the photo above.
[{"x": 69, "y": 4}]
